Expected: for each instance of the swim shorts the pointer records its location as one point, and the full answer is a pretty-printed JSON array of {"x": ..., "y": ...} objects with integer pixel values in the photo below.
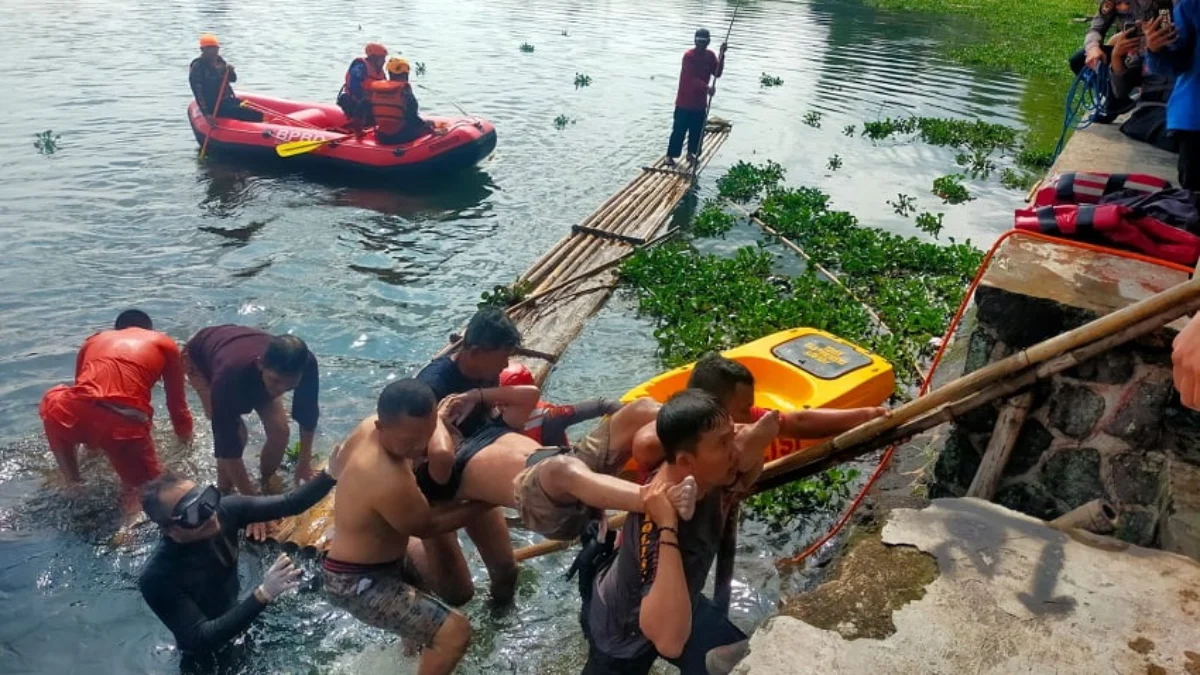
[
  {"x": 539, "y": 511},
  {"x": 595, "y": 449},
  {"x": 387, "y": 595}
]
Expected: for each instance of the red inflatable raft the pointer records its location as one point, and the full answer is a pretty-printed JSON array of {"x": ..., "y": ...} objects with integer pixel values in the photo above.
[{"x": 458, "y": 142}]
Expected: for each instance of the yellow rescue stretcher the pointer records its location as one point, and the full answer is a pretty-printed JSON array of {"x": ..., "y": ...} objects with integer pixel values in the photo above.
[{"x": 793, "y": 370}]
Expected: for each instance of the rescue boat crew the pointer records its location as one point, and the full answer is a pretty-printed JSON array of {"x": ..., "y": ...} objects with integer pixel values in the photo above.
[
  {"x": 353, "y": 97},
  {"x": 207, "y": 74},
  {"x": 394, "y": 106}
]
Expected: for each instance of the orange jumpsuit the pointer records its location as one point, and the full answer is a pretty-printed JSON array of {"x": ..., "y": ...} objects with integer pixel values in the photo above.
[{"x": 108, "y": 407}]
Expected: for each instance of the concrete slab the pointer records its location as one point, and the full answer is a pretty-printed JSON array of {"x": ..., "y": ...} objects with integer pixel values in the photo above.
[
  {"x": 1012, "y": 596},
  {"x": 1102, "y": 147},
  {"x": 1093, "y": 281}
]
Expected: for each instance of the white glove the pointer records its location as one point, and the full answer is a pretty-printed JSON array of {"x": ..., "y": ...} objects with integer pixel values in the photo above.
[{"x": 281, "y": 578}]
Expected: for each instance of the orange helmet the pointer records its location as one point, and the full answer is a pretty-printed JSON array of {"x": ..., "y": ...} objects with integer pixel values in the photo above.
[
  {"x": 209, "y": 40},
  {"x": 515, "y": 374},
  {"x": 376, "y": 49}
]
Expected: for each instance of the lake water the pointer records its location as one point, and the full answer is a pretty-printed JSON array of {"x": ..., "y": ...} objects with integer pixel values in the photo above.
[{"x": 375, "y": 279}]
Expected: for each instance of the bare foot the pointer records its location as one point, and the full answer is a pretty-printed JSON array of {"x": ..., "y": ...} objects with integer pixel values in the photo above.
[{"x": 683, "y": 497}]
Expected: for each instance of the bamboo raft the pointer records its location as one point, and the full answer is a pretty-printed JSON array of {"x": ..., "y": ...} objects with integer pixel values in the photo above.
[{"x": 566, "y": 286}]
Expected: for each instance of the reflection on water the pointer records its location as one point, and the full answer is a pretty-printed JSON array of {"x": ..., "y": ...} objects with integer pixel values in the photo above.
[{"x": 375, "y": 277}]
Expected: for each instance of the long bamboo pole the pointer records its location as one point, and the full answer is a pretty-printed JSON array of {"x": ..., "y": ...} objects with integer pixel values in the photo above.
[
  {"x": 911, "y": 419},
  {"x": 1165, "y": 303},
  {"x": 970, "y": 392}
]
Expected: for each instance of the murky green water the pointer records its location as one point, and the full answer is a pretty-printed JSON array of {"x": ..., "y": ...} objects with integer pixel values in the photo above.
[{"x": 374, "y": 279}]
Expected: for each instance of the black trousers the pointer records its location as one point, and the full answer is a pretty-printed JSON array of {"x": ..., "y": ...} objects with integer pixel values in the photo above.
[
  {"x": 689, "y": 123},
  {"x": 1189, "y": 159},
  {"x": 710, "y": 629},
  {"x": 233, "y": 110}
]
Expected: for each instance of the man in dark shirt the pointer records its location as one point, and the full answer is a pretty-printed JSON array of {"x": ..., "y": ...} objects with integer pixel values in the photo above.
[
  {"x": 691, "y": 101},
  {"x": 191, "y": 579},
  {"x": 235, "y": 369},
  {"x": 207, "y": 74},
  {"x": 648, "y": 604},
  {"x": 489, "y": 341}
]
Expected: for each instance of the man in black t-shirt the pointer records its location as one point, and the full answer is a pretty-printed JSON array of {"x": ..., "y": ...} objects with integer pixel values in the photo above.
[
  {"x": 647, "y": 604},
  {"x": 489, "y": 341}
]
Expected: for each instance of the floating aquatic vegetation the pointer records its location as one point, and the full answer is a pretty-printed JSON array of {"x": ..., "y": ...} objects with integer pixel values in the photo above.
[
  {"x": 582, "y": 80},
  {"x": 745, "y": 181},
  {"x": 562, "y": 121},
  {"x": 781, "y": 507},
  {"x": 712, "y": 221},
  {"x": 419, "y": 67},
  {"x": 505, "y": 296},
  {"x": 849, "y": 130},
  {"x": 951, "y": 189},
  {"x": 526, "y": 47},
  {"x": 770, "y": 80},
  {"x": 904, "y": 205},
  {"x": 813, "y": 119},
  {"x": 1018, "y": 180},
  {"x": 46, "y": 142},
  {"x": 834, "y": 163},
  {"x": 930, "y": 223}
]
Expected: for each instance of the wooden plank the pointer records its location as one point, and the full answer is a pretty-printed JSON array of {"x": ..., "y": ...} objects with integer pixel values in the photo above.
[{"x": 1000, "y": 446}]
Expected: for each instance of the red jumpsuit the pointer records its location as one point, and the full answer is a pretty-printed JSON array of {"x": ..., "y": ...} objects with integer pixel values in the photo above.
[{"x": 108, "y": 407}]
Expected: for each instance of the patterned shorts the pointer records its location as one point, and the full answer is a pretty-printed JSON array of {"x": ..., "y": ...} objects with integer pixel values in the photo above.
[{"x": 387, "y": 596}]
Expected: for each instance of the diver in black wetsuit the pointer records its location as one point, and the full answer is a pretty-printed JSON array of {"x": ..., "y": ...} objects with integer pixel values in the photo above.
[{"x": 191, "y": 579}]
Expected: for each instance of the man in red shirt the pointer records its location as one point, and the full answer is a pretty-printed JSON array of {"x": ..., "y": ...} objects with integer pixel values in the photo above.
[
  {"x": 108, "y": 406},
  {"x": 236, "y": 370},
  {"x": 691, "y": 102}
]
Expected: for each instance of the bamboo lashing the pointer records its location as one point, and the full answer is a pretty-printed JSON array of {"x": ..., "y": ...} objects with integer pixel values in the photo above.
[{"x": 998, "y": 380}]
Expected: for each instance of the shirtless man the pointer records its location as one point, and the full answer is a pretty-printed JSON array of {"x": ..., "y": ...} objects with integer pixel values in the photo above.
[
  {"x": 557, "y": 490},
  {"x": 378, "y": 569}
]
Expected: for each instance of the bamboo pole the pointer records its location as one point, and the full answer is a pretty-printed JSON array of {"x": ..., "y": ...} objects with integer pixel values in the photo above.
[
  {"x": 1000, "y": 446},
  {"x": 912, "y": 418},
  {"x": 1170, "y": 303},
  {"x": 615, "y": 522}
]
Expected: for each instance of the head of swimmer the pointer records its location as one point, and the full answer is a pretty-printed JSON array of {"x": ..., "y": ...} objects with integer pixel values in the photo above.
[
  {"x": 160, "y": 501},
  {"x": 406, "y": 417},
  {"x": 133, "y": 318},
  {"x": 489, "y": 340},
  {"x": 728, "y": 381},
  {"x": 282, "y": 364},
  {"x": 697, "y": 436}
]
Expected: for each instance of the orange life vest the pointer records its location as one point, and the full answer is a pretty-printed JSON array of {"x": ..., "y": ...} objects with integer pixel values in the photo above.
[
  {"x": 373, "y": 75},
  {"x": 389, "y": 101}
]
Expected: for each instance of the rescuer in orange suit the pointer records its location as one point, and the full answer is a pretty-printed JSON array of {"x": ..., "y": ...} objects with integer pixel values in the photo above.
[
  {"x": 354, "y": 96},
  {"x": 394, "y": 106},
  {"x": 108, "y": 407}
]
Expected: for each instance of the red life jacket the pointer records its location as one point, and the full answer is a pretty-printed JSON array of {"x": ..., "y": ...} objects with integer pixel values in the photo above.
[
  {"x": 389, "y": 103},
  {"x": 533, "y": 426},
  {"x": 1113, "y": 224},
  {"x": 1087, "y": 188},
  {"x": 373, "y": 75}
]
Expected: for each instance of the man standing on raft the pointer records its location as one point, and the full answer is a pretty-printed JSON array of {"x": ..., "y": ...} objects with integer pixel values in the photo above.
[{"x": 691, "y": 101}]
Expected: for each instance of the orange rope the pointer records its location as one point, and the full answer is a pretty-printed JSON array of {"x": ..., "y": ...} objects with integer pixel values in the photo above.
[{"x": 886, "y": 459}]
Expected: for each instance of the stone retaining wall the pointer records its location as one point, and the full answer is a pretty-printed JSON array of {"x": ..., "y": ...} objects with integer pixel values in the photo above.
[{"x": 1111, "y": 428}]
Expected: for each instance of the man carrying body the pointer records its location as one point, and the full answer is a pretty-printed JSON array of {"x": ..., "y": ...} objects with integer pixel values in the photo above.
[
  {"x": 733, "y": 385},
  {"x": 235, "y": 369},
  {"x": 207, "y": 74},
  {"x": 488, "y": 342},
  {"x": 108, "y": 406},
  {"x": 648, "y": 604},
  {"x": 557, "y": 490},
  {"x": 691, "y": 100},
  {"x": 191, "y": 579},
  {"x": 353, "y": 98},
  {"x": 378, "y": 569}
]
